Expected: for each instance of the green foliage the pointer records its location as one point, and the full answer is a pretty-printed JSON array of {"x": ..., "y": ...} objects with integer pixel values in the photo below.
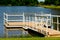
[
  {"x": 54, "y": 2},
  {"x": 41, "y": 3},
  {"x": 57, "y": 2},
  {"x": 19, "y": 2},
  {"x": 48, "y": 1}
]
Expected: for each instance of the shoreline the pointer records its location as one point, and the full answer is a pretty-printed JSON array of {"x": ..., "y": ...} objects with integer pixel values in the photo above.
[{"x": 51, "y": 7}]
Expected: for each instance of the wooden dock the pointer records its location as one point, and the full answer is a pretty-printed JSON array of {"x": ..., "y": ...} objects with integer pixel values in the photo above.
[
  {"x": 46, "y": 31},
  {"x": 33, "y": 25}
]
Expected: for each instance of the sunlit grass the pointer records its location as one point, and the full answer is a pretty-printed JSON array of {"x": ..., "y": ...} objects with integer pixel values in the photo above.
[
  {"x": 32, "y": 38},
  {"x": 51, "y": 7}
]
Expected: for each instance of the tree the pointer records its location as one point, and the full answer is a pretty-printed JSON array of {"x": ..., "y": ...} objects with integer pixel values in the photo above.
[
  {"x": 57, "y": 2},
  {"x": 47, "y": 2},
  {"x": 54, "y": 2},
  {"x": 41, "y": 3},
  {"x": 19, "y": 2}
]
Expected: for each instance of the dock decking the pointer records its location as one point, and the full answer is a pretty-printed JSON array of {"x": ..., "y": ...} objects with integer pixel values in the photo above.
[{"x": 40, "y": 29}]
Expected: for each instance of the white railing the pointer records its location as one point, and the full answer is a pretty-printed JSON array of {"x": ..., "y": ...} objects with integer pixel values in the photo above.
[{"x": 24, "y": 20}]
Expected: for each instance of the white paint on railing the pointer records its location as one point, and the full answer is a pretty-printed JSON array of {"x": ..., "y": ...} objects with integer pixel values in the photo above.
[
  {"x": 15, "y": 20},
  {"x": 55, "y": 15},
  {"x": 14, "y": 15}
]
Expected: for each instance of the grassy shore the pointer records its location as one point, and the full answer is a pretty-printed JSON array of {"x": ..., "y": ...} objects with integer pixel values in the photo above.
[
  {"x": 33, "y": 38},
  {"x": 51, "y": 7}
]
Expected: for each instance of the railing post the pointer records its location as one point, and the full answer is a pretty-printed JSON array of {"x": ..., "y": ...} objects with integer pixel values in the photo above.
[
  {"x": 29, "y": 21},
  {"x": 4, "y": 18},
  {"x": 35, "y": 20},
  {"x": 47, "y": 26},
  {"x": 52, "y": 22},
  {"x": 7, "y": 18},
  {"x": 23, "y": 18},
  {"x": 57, "y": 24}
]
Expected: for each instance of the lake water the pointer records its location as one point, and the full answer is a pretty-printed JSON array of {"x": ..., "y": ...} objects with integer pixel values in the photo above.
[{"x": 13, "y": 9}]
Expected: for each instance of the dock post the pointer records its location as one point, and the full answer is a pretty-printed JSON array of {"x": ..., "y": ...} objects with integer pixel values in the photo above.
[
  {"x": 6, "y": 32},
  {"x": 23, "y": 32}
]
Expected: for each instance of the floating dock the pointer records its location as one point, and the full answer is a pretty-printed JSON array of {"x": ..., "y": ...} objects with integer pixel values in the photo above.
[{"x": 41, "y": 23}]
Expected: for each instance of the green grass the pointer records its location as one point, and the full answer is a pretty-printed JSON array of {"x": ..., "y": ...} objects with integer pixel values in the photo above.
[
  {"x": 32, "y": 38},
  {"x": 51, "y": 7}
]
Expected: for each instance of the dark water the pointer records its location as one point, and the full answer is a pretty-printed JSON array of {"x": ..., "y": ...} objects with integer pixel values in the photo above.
[{"x": 19, "y": 9}]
